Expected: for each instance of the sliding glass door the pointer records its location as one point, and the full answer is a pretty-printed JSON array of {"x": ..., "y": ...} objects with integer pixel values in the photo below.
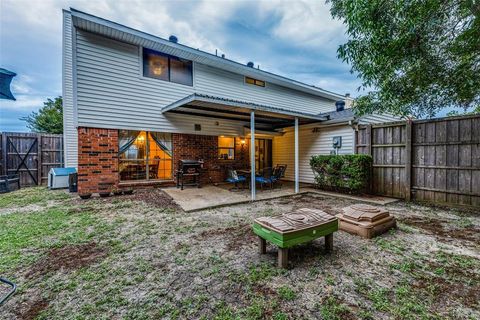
[
  {"x": 145, "y": 155},
  {"x": 263, "y": 153}
]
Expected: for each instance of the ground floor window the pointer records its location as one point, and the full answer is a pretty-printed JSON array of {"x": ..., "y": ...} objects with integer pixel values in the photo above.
[
  {"x": 226, "y": 148},
  {"x": 145, "y": 155}
]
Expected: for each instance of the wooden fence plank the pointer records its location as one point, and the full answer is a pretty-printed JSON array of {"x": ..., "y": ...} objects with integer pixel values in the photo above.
[
  {"x": 408, "y": 161},
  {"x": 434, "y": 160},
  {"x": 30, "y": 155}
]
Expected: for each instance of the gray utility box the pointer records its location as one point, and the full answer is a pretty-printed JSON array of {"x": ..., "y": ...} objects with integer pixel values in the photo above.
[{"x": 58, "y": 177}]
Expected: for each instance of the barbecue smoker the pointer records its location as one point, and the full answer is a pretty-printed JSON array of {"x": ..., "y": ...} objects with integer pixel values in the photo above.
[{"x": 189, "y": 171}]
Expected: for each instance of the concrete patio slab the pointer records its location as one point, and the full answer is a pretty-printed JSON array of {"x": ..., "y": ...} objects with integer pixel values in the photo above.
[
  {"x": 210, "y": 196},
  {"x": 193, "y": 199}
]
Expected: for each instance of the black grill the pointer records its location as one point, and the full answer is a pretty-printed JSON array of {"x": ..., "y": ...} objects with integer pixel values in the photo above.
[{"x": 188, "y": 173}]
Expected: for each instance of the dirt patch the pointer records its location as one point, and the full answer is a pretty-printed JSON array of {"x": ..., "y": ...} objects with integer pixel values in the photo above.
[
  {"x": 235, "y": 237},
  {"x": 31, "y": 309},
  {"x": 316, "y": 202},
  {"x": 436, "y": 227},
  {"x": 153, "y": 197},
  {"x": 265, "y": 291},
  {"x": 69, "y": 257},
  {"x": 469, "y": 295}
]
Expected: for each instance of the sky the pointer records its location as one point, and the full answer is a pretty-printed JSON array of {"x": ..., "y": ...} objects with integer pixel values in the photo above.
[{"x": 297, "y": 39}]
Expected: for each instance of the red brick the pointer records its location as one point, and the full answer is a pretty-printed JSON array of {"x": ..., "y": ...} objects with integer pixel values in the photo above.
[
  {"x": 98, "y": 160},
  {"x": 200, "y": 147}
]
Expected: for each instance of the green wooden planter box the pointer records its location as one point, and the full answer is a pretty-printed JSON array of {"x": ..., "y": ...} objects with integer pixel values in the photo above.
[{"x": 292, "y": 238}]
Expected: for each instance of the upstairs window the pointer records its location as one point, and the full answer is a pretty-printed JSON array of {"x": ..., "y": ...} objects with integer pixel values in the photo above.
[
  {"x": 255, "y": 82},
  {"x": 168, "y": 68}
]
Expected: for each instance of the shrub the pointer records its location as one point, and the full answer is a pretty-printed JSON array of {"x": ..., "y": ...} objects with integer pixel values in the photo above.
[{"x": 347, "y": 173}]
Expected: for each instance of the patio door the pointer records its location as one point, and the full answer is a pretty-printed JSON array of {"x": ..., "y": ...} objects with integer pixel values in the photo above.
[{"x": 263, "y": 153}]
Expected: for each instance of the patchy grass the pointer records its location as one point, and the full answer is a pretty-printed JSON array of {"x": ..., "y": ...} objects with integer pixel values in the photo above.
[
  {"x": 286, "y": 293},
  {"x": 30, "y": 196},
  {"x": 141, "y": 257}
]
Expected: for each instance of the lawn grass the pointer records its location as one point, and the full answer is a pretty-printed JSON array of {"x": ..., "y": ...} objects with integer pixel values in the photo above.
[{"x": 161, "y": 263}]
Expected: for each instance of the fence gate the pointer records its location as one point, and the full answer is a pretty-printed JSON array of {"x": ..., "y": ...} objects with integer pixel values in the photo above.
[{"x": 30, "y": 155}]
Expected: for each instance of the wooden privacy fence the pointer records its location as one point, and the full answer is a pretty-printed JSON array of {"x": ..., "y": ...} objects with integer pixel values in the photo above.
[
  {"x": 30, "y": 155},
  {"x": 436, "y": 160}
]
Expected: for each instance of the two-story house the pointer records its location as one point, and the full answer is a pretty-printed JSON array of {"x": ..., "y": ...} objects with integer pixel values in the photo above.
[{"x": 135, "y": 104}]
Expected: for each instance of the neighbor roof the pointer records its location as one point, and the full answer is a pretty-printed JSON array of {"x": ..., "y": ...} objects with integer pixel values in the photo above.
[
  {"x": 344, "y": 115},
  {"x": 123, "y": 33}
]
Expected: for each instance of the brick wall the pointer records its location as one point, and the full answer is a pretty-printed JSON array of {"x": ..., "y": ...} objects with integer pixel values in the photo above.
[
  {"x": 196, "y": 147},
  {"x": 97, "y": 160}
]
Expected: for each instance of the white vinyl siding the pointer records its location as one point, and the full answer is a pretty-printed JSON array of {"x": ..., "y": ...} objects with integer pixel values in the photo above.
[
  {"x": 310, "y": 143},
  {"x": 216, "y": 82},
  {"x": 112, "y": 93},
  {"x": 69, "y": 130}
]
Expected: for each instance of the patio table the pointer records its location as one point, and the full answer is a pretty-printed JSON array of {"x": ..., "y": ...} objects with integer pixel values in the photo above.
[
  {"x": 288, "y": 230},
  {"x": 244, "y": 171}
]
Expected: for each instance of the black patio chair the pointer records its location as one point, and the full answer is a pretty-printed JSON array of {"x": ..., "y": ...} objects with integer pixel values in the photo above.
[
  {"x": 278, "y": 174},
  {"x": 265, "y": 177}
]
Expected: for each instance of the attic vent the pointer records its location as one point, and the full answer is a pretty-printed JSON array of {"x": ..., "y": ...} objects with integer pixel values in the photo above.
[
  {"x": 340, "y": 104},
  {"x": 250, "y": 64},
  {"x": 173, "y": 39}
]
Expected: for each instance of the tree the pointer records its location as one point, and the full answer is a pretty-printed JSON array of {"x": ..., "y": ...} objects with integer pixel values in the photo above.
[
  {"x": 49, "y": 119},
  {"x": 416, "y": 56}
]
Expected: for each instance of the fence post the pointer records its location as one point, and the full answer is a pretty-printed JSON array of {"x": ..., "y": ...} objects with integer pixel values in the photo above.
[
  {"x": 39, "y": 159},
  {"x": 1, "y": 154},
  {"x": 368, "y": 141},
  {"x": 408, "y": 160},
  {"x": 4, "y": 153}
]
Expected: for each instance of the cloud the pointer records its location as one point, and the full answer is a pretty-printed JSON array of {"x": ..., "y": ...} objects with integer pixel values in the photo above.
[
  {"x": 22, "y": 84},
  {"x": 23, "y": 102},
  {"x": 306, "y": 23}
]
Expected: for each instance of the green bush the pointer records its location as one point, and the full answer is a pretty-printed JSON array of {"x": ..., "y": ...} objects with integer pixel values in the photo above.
[{"x": 347, "y": 173}]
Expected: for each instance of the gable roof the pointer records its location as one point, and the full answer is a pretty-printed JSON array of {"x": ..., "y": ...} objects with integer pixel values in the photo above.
[{"x": 123, "y": 33}]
